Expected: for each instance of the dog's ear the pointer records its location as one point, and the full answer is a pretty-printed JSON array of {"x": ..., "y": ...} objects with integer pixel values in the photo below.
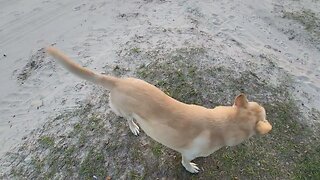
[
  {"x": 263, "y": 127},
  {"x": 241, "y": 101}
]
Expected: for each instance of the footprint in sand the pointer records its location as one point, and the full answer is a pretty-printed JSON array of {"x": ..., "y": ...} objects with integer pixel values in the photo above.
[{"x": 216, "y": 20}]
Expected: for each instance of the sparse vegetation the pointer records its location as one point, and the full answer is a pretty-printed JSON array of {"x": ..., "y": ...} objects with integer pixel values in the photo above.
[
  {"x": 307, "y": 18},
  {"x": 273, "y": 156},
  {"x": 35, "y": 62},
  {"x": 46, "y": 141},
  {"x": 156, "y": 149},
  {"x": 100, "y": 144},
  {"x": 135, "y": 50},
  {"x": 93, "y": 165},
  {"x": 199, "y": 52}
]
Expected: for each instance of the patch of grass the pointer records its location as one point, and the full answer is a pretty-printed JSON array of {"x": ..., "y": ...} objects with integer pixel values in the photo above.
[
  {"x": 307, "y": 18},
  {"x": 94, "y": 123},
  {"x": 271, "y": 156},
  {"x": 34, "y": 62},
  {"x": 93, "y": 165},
  {"x": 77, "y": 127},
  {"x": 65, "y": 155},
  {"x": 119, "y": 71},
  {"x": 137, "y": 153},
  {"x": 57, "y": 158},
  {"x": 276, "y": 155},
  {"x": 46, "y": 141},
  {"x": 135, "y": 176},
  {"x": 82, "y": 138},
  {"x": 135, "y": 50},
  {"x": 170, "y": 78},
  {"x": 309, "y": 165},
  {"x": 16, "y": 172},
  {"x": 290, "y": 151},
  {"x": 156, "y": 149},
  {"x": 37, "y": 164}
]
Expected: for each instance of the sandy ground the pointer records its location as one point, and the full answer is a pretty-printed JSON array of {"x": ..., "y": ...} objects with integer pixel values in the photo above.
[{"x": 103, "y": 35}]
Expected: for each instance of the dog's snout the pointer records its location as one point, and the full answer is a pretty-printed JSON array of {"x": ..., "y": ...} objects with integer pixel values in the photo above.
[{"x": 263, "y": 127}]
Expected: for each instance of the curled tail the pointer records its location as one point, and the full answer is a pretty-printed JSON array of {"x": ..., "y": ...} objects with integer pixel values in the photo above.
[{"x": 85, "y": 73}]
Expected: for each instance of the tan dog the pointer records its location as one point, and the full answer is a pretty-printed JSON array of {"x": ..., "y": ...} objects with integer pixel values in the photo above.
[{"x": 192, "y": 130}]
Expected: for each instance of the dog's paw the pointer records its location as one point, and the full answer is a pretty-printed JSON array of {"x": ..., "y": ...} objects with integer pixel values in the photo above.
[
  {"x": 191, "y": 167},
  {"x": 133, "y": 127}
]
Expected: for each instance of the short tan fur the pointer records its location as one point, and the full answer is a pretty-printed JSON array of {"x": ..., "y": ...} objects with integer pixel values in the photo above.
[{"x": 192, "y": 130}]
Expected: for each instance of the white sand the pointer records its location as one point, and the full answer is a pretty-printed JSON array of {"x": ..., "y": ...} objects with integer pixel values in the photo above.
[{"x": 94, "y": 31}]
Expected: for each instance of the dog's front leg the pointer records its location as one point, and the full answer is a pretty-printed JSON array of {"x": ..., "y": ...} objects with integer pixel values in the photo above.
[{"x": 191, "y": 167}]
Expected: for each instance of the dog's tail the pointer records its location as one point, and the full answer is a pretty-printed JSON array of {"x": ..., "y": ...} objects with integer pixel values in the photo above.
[{"x": 107, "y": 81}]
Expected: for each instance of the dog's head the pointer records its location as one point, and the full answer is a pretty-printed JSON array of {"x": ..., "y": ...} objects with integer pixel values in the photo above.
[{"x": 253, "y": 113}]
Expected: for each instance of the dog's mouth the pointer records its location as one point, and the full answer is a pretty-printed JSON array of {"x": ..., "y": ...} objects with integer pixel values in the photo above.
[{"x": 263, "y": 127}]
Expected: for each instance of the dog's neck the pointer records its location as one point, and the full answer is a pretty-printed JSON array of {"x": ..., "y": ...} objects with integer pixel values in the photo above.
[{"x": 229, "y": 113}]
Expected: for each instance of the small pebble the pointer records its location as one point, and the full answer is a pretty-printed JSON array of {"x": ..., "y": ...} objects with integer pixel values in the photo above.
[{"x": 37, "y": 103}]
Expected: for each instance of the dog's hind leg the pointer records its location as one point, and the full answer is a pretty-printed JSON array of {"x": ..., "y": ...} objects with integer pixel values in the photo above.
[
  {"x": 133, "y": 126},
  {"x": 190, "y": 166}
]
